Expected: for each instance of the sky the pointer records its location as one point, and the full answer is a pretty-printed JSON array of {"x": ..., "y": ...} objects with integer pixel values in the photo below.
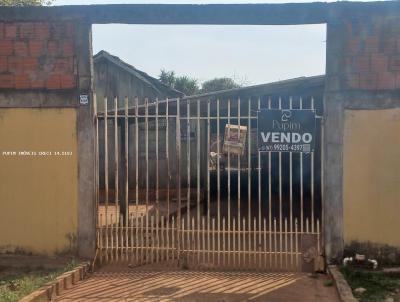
[{"x": 249, "y": 54}]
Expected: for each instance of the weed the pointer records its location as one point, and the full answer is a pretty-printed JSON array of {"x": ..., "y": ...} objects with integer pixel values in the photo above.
[
  {"x": 19, "y": 284},
  {"x": 378, "y": 285}
]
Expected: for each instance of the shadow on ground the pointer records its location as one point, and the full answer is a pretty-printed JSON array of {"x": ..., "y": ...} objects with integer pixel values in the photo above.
[{"x": 123, "y": 284}]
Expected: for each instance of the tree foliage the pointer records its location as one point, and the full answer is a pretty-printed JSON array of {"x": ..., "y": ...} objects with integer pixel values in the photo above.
[
  {"x": 25, "y": 2},
  {"x": 218, "y": 84},
  {"x": 185, "y": 84},
  {"x": 167, "y": 77},
  {"x": 190, "y": 86}
]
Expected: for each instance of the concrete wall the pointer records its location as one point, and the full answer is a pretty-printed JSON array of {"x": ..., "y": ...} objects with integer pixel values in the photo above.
[
  {"x": 362, "y": 73},
  {"x": 371, "y": 201},
  {"x": 47, "y": 203},
  {"x": 38, "y": 192}
]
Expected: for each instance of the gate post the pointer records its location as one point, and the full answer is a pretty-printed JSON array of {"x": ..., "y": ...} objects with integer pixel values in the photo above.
[{"x": 86, "y": 146}]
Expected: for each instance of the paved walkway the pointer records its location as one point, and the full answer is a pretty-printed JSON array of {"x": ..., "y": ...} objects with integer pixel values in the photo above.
[{"x": 124, "y": 284}]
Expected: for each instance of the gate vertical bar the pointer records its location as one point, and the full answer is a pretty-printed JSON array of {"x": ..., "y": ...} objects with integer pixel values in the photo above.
[
  {"x": 291, "y": 196},
  {"x": 198, "y": 179},
  {"x": 312, "y": 180},
  {"x": 280, "y": 200},
  {"x": 259, "y": 191},
  {"x": 106, "y": 171},
  {"x": 97, "y": 171},
  {"x": 126, "y": 162},
  {"x": 146, "y": 121},
  {"x": 301, "y": 183},
  {"x": 229, "y": 182},
  {"x": 168, "y": 173},
  {"x": 249, "y": 166},
  {"x": 208, "y": 179},
  {"x": 188, "y": 161},
  {"x": 116, "y": 163},
  {"x": 137, "y": 181},
  {"x": 218, "y": 184},
  {"x": 270, "y": 199},
  {"x": 167, "y": 159},
  {"x": 238, "y": 188},
  {"x": 157, "y": 184},
  {"x": 178, "y": 174}
]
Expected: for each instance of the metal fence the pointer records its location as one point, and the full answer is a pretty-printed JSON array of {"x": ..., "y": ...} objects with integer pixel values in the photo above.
[{"x": 171, "y": 191}]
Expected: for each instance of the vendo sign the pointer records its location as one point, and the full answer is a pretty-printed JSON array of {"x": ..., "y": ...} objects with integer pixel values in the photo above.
[{"x": 286, "y": 130}]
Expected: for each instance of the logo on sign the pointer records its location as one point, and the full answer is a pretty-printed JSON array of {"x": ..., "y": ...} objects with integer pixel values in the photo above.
[
  {"x": 286, "y": 130},
  {"x": 84, "y": 99}
]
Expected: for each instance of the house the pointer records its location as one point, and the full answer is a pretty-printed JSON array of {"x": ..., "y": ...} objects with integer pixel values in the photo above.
[{"x": 115, "y": 78}]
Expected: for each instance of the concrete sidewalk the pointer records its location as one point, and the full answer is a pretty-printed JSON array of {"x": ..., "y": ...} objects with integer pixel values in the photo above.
[{"x": 124, "y": 284}]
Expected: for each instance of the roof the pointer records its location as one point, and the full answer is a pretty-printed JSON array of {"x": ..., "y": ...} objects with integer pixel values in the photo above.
[
  {"x": 141, "y": 75},
  {"x": 302, "y": 86},
  {"x": 274, "y": 88}
]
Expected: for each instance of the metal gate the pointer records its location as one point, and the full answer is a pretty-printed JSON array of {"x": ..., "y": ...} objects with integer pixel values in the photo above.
[{"x": 173, "y": 189}]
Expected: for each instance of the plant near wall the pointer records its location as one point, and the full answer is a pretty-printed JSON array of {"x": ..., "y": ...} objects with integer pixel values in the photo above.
[{"x": 25, "y": 2}]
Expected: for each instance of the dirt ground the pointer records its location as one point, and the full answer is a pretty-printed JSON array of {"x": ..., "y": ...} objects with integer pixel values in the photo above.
[{"x": 141, "y": 284}]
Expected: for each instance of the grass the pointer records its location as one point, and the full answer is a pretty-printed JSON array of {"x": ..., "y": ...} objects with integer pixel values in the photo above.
[
  {"x": 15, "y": 284},
  {"x": 378, "y": 285}
]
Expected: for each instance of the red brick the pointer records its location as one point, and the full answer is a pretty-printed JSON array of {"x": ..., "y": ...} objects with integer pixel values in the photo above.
[
  {"x": 3, "y": 63},
  {"x": 353, "y": 46},
  {"x": 1, "y": 30},
  {"x": 6, "y": 47},
  {"x": 349, "y": 28},
  {"x": 30, "y": 64},
  {"x": 10, "y": 31},
  {"x": 379, "y": 62},
  {"x": 394, "y": 63},
  {"x": 68, "y": 81},
  {"x": 53, "y": 48},
  {"x": 352, "y": 80},
  {"x": 348, "y": 64},
  {"x": 64, "y": 65},
  {"x": 20, "y": 48},
  {"x": 386, "y": 80},
  {"x": 68, "y": 47},
  {"x": 22, "y": 81},
  {"x": 42, "y": 31},
  {"x": 53, "y": 82},
  {"x": 27, "y": 30},
  {"x": 21, "y": 65},
  {"x": 390, "y": 45},
  {"x": 36, "y": 47},
  {"x": 57, "y": 30},
  {"x": 372, "y": 44},
  {"x": 398, "y": 80},
  {"x": 37, "y": 82},
  {"x": 6, "y": 81},
  {"x": 368, "y": 80},
  {"x": 69, "y": 30},
  {"x": 363, "y": 63}
]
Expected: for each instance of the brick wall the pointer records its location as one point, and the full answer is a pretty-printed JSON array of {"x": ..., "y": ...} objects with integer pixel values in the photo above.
[
  {"x": 372, "y": 54},
  {"x": 37, "y": 56}
]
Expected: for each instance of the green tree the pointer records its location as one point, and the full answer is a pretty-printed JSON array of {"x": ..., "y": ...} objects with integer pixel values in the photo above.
[
  {"x": 185, "y": 84},
  {"x": 218, "y": 84},
  {"x": 25, "y": 2},
  {"x": 167, "y": 77}
]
